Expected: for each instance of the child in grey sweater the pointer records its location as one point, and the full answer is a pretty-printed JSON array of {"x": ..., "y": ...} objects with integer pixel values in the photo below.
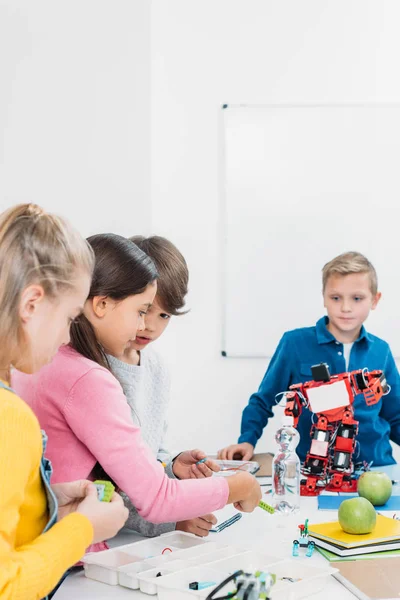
[{"x": 145, "y": 379}]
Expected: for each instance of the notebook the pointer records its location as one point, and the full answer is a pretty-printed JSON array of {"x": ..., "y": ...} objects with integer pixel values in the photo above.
[
  {"x": 332, "y": 502},
  {"x": 368, "y": 556},
  {"x": 352, "y": 552},
  {"x": 372, "y": 579},
  {"x": 386, "y": 530},
  {"x": 264, "y": 459},
  {"x": 226, "y": 516}
]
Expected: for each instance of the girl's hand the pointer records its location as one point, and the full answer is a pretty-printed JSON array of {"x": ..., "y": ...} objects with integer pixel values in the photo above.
[
  {"x": 107, "y": 518},
  {"x": 69, "y": 495},
  {"x": 244, "y": 491},
  {"x": 185, "y": 467},
  {"x": 243, "y": 451},
  {"x": 252, "y": 500},
  {"x": 200, "y": 526}
]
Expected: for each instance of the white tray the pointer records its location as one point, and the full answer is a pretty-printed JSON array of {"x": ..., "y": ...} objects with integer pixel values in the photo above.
[
  {"x": 128, "y": 575},
  {"x": 104, "y": 566},
  {"x": 248, "y": 561},
  {"x": 312, "y": 579},
  {"x": 176, "y": 586},
  {"x": 149, "y": 580},
  {"x": 194, "y": 559}
]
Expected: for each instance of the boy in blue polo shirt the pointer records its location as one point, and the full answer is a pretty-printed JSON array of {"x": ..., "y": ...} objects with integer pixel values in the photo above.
[{"x": 350, "y": 292}]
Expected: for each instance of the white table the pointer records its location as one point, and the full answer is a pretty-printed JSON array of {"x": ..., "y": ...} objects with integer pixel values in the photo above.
[{"x": 273, "y": 534}]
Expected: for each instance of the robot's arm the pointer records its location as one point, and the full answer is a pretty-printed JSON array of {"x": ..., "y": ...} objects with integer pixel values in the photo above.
[
  {"x": 372, "y": 385},
  {"x": 295, "y": 401}
]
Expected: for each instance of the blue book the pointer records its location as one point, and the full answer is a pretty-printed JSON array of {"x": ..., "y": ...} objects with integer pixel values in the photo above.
[{"x": 332, "y": 502}]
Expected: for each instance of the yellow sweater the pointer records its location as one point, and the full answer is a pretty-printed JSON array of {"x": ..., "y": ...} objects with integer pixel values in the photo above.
[{"x": 31, "y": 563}]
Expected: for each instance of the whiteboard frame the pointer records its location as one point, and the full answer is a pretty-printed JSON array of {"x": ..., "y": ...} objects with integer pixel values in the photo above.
[{"x": 222, "y": 230}]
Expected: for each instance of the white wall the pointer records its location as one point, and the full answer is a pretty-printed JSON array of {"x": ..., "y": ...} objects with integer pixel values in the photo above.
[
  {"x": 75, "y": 116},
  {"x": 75, "y": 110},
  {"x": 240, "y": 51}
]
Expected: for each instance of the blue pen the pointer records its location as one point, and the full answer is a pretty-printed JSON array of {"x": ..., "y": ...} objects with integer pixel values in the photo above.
[{"x": 203, "y": 460}]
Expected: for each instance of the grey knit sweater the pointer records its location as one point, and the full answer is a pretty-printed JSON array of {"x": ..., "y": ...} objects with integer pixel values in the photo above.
[{"x": 146, "y": 388}]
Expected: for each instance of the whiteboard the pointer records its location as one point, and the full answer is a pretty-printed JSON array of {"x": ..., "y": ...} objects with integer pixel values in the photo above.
[{"x": 300, "y": 185}]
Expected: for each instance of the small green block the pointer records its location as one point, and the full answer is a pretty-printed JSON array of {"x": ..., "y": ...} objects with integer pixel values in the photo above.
[
  {"x": 105, "y": 490},
  {"x": 266, "y": 507}
]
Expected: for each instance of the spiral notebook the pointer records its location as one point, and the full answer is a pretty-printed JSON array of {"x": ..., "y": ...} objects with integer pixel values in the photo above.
[{"x": 226, "y": 516}]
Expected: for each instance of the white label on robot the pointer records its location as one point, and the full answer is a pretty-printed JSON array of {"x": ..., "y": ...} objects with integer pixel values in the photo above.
[
  {"x": 319, "y": 448},
  {"x": 328, "y": 397}
]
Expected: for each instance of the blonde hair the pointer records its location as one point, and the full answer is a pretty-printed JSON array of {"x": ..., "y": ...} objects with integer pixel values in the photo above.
[
  {"x": 347, "y": 264},
  {"x": 35, "y": 248}
]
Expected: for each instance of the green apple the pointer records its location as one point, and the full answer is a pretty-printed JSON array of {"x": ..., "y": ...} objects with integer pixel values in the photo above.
[
  {"x": 357, "y": 515},
  {"x": 375, "y": 487}
]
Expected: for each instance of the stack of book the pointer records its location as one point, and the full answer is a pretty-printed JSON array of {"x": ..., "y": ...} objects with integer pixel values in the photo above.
[{"x": 336, "y": 544}]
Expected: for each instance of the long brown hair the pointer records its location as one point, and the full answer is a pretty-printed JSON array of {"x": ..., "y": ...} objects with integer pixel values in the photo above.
[
  {"x": 35, "y": 247},
  {"x": 121, "y": 270}
]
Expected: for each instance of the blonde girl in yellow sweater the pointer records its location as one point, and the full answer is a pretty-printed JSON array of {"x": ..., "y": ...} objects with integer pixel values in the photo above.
[{"x": 45, "y": 273}]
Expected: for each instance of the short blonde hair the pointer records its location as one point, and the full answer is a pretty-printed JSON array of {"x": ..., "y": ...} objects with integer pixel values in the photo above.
[
  {"x": 35, "y": 247},
  {"x": 347, "y": 264}
]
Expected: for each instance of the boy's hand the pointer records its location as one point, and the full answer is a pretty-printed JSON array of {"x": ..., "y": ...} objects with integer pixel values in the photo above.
[
  {"x": 242, "y": 451},
  {"x": 200, "y": 526},
  {"x": 185, "y": 467}
]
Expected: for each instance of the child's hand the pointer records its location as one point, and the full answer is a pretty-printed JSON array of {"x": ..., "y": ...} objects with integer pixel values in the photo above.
[
  {"x": 244, "y": 491},
  {"x": 243, "y": 451},
  {"x": 69, "y": 495},
  {"x": 200, "y": 526},
  {"x": 185, "y": 467},
  {"x": 107, "y": 518},
  {"x": 252, "y": 500}
]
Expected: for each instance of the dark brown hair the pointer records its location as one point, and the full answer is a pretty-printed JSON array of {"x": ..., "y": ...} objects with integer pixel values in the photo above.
[
  {"x": 173, "y": 273},
  {"x": 121, "y": 270}
]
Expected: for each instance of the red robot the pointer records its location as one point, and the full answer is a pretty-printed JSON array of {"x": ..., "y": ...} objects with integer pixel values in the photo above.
[{"x": 328, "y": 464}]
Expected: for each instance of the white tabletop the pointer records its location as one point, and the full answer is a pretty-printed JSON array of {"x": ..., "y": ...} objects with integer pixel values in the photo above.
[{"x": 273, "y": 534}]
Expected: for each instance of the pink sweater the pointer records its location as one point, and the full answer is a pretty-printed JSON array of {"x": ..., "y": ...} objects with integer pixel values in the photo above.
[{"x": 83, "y": 410}]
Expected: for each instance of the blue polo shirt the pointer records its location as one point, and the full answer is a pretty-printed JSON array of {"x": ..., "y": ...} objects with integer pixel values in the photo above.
[{"x": 296, "y": 353}]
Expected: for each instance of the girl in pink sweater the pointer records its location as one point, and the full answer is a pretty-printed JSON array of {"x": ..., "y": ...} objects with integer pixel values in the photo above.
[{"x": 82, "y": 407}]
